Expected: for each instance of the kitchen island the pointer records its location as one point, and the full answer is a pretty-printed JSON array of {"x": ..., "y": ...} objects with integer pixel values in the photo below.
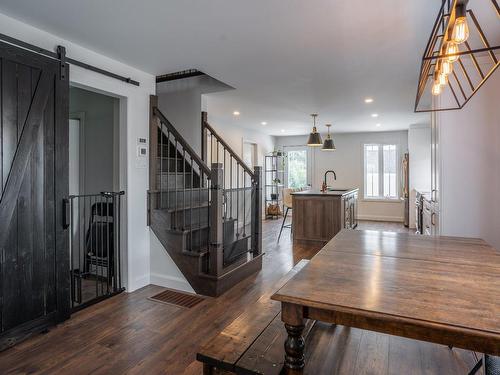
[{"x": 318, "y": 216}]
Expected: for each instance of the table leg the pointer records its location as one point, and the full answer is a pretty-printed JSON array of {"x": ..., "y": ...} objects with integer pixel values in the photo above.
[{"x": 292, "y": 316}]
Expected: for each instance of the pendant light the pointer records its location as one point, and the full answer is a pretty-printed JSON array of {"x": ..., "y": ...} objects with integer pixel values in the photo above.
[
  {"x": 328, "y": 144},
  {"x": 314, "y": 138},
  {"x": 460, "y": 28}
]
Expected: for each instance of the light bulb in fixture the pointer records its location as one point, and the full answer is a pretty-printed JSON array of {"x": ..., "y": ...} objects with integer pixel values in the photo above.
[
  {"x": 451, "y": 50},
  {"x": 446, "y": 67},
  {"x": 460, "y": 28},
  {"x": 236, "y": 113},
  {"x": 374, "y": 115},
  {"x": 263, "y": 123},
  {"x": 442, "y": 79},
  {"x": 436, "y": 88},
  {"x": 369, "y": 100}
]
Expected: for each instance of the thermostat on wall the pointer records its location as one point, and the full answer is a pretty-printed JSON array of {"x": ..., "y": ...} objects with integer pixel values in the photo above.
[{"x": 142, "y": 156}]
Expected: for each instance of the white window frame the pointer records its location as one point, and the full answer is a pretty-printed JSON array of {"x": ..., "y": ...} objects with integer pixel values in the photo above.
[
  {"x": 308, "y": 162},
  {"x": 381, "y": 172}
]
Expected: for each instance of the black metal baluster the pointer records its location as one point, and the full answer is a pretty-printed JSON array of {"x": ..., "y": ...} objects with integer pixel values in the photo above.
[
  {"x": 168, "y": 173},
  {"x": 161, "y": 163},
  {"x": 175, "y": 160},
  {"x": 199, "y": 211},
  {"x": 108, "y": 255},
  {"x": 183, "y": 189},
  {"x": 237, "y": 200},
  {"x": 118, "y": 244},
  {"x": 244, "y": 201},
  {"x": 71, "y": 252},
  {"x": 231, "y": 186},
  {"x": 191, "y": 208}
]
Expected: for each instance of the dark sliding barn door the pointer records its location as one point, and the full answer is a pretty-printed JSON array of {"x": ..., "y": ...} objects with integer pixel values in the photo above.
[{"x": 34, "y": 277}]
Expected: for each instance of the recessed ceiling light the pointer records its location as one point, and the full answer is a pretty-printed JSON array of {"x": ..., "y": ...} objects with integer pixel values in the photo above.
[
  {"x": 282, "y": 130},
  {"x": 263, "y": 123},
  {"x": 378, "y": 125},
  {"x": 369, "y": 100},
  {"x": 236, "y": 113},
  {"x": 374, "y": 114}
]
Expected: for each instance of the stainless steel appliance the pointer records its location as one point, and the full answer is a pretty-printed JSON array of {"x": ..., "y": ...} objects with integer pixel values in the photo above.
[{"x": 419, "y": 203}]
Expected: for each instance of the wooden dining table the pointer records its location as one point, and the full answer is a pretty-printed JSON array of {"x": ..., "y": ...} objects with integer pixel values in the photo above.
[{"x": 444, "y": 290}]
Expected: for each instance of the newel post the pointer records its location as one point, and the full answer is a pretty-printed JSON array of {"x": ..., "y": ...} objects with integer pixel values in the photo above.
[
  {"x": 257, "y": 212},
  {"x": 204, "y": 136},
  {"x": 216, "y": 254}
]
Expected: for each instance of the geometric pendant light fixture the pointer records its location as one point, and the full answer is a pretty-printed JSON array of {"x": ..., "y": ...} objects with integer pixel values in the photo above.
[
  {"x": 314, "y": 138},
  {"x": 328, "y": 145}
]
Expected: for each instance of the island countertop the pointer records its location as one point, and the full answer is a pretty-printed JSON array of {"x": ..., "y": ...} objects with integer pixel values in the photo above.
[{"x": 331, "y": 191}]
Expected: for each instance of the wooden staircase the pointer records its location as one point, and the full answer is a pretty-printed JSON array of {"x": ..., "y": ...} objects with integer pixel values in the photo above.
[{"x": 207, "y": 222}]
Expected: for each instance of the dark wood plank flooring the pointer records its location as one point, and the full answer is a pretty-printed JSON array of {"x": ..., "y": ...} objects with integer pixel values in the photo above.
[{"x": 131, "y": 334}]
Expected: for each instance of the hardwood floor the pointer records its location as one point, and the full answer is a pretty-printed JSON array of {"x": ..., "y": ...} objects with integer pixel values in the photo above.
[
  {"x": 383, "y": 226},
  {"x": 131, "y": 334}
]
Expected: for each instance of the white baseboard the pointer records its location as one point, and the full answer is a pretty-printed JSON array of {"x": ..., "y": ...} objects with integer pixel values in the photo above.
[
  {"x": 171, "y": 282},
  {"x": 396, "y": 219},
  {"x": 138, "y": 283}
]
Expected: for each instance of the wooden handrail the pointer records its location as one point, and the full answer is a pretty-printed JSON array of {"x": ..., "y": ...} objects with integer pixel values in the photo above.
[
  {"x": 193, "y": 155},
  {"x": 228, "y": 148}
]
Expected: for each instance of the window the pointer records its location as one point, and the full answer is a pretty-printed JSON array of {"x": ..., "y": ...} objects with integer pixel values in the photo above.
[
  {"x": 381, "y": 171},
  {"x": 297, "y": 168}
]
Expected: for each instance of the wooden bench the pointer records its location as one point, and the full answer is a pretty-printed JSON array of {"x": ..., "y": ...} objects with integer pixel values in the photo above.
[{"x": 244, "y": 344}]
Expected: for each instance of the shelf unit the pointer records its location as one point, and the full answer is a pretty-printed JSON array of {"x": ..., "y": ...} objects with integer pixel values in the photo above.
[{"x": 274, "y": 171}]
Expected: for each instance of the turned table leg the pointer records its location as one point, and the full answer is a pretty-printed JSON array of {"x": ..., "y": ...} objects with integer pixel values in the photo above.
[{"x": 292, "y": 316}]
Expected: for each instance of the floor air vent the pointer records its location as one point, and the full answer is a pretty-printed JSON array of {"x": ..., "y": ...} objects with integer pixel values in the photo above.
[{"x": 176, "y": 298}]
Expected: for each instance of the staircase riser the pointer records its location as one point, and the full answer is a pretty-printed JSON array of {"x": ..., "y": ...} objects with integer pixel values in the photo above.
[
  {"x": 195, "y": 216},
  {"x": 172, "y": 181},
  {"x": 168, "y": 165},
  {"x": 169, "y": 199}
]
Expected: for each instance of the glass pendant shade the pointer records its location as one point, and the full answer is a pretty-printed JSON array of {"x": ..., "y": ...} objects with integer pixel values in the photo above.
[
  {"x": 328, "y": 145},
  {"x": 452, "y": 50},
  {"x": 314, "y": 138}
]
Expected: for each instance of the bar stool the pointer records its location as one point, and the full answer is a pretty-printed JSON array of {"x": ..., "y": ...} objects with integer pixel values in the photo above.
[{"x": 287, "y": 203}]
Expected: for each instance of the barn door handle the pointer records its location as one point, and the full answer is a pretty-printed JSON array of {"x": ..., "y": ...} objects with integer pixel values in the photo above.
[{"x": 65, "y": 213}]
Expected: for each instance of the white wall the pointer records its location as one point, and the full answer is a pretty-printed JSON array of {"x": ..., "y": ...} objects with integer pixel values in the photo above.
[
  {"x": 98, "y": 129},
  {"x": 134, "y": 113},
  {"x": 419, "y": 147},
  {"x": 470, "y": 166},
  {"x": 347, "y": 162}
]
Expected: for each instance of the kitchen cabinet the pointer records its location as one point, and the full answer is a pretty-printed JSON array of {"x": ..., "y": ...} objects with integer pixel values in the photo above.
[{"x": 318, "y": 216}]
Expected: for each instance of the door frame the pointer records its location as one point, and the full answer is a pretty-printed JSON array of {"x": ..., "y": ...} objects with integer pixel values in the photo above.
[{"x": 80, "y": 116}]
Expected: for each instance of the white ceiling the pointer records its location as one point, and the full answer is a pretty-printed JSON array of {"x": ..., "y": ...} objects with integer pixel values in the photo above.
[{"x": 285, "y": 58}]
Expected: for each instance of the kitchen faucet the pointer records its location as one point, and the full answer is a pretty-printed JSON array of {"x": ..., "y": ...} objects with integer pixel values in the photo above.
[{"x": 334, "y": 176}]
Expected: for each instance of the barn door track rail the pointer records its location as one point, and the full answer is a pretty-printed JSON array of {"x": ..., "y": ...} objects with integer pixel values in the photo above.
[{"x": 61, "y": 56}]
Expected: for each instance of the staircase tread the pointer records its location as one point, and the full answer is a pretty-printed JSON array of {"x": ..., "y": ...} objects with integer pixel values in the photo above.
[{"x": 170, "y": 210}]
